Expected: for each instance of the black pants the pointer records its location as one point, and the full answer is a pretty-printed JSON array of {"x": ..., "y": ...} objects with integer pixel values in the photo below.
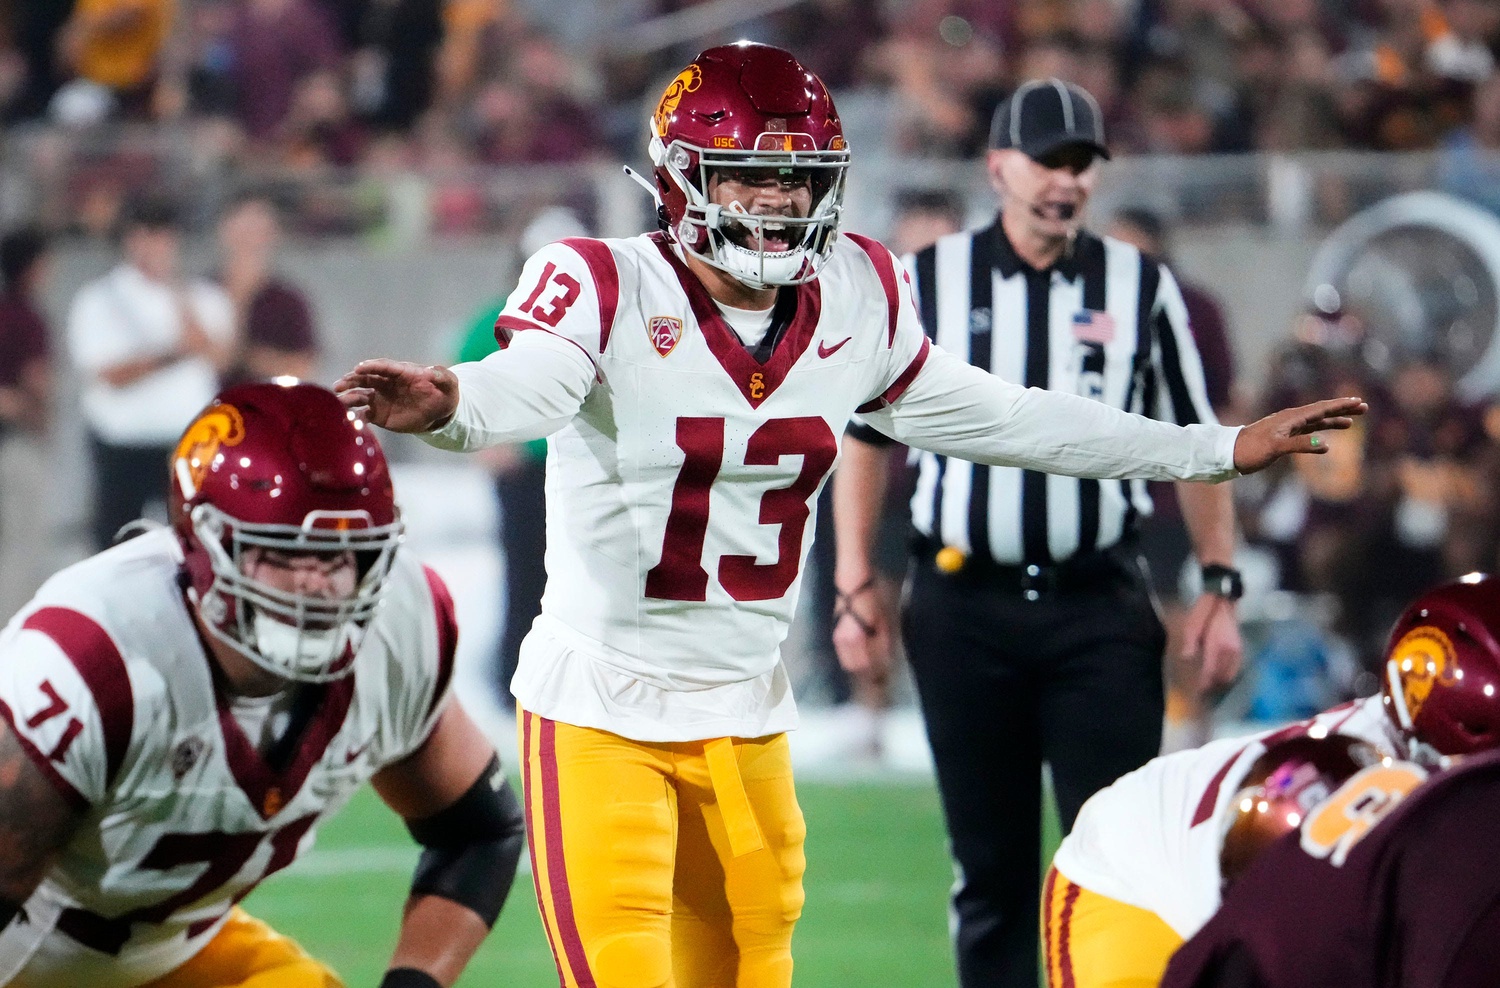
[
  {"x": 1073, "y": 679},
  {"x": 126, "y": 478},
  {"x": 523, "y": 539}
]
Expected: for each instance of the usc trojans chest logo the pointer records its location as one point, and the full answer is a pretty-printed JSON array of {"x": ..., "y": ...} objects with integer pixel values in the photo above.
[
  {"x": 1424, "y": 657},
  {"x": 221, "y": 425},
  {"x": 688, "y": 80},
  {"x": 665, "y": 332}
]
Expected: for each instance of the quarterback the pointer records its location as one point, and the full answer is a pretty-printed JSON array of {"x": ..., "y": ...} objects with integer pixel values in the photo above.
[
  {"x": 695, "y": 384},
  {"x": 181, "y": 712},
  {"x": 1145, "y": 865}
]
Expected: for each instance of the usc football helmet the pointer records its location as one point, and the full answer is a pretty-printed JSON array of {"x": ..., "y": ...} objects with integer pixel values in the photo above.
[
  {"x": 753, "y": 112},
  {"x": 1442, "y": 670},
  {"x": 283, "y": 466},
  {"x": 1287, "y": 781}
]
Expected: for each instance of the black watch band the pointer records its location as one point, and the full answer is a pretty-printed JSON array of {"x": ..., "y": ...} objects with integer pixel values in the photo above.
[{"x": 1223, "y": 581}]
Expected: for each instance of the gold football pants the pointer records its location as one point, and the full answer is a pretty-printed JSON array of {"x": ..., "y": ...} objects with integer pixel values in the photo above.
[
  {"x": 247, "y": 953},
  {"x": 663, "y": 865},
  {"x": 1093, "y": 941}
]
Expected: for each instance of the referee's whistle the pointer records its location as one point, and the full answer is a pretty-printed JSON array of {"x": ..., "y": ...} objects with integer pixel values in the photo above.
[{"x": 950, "y": 559}]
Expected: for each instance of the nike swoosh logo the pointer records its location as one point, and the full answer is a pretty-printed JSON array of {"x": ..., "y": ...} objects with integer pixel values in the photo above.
[
  {"x": 827, "y": 351},
  {"x": 352, "y": 755}
]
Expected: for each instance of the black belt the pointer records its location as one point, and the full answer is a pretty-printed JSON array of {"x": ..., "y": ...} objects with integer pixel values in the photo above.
[{"x": 1032, "y": 581}]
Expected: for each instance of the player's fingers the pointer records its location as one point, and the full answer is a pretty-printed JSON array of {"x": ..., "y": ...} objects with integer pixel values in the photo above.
[{"x": 355, "y": 397}]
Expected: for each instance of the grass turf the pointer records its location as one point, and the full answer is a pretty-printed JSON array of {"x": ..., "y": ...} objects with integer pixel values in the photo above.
[{"x": 877, "y": 885}]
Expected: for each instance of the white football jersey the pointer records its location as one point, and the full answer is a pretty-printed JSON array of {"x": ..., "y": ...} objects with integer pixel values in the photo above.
[
  {"x": 104, "y": 679},
  {"x": 1152, "y": 839},
  {"x": 683, "y": 472},
  {"x": 681, "y": 496}
]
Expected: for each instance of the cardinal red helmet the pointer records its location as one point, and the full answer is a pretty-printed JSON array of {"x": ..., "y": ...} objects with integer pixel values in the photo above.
[
  {"x": 1283, "y": 785},
  {"x": 753, "y": 111},
  {"x": 283, "y": 466},
  {"x": 1442, "y": 670}
]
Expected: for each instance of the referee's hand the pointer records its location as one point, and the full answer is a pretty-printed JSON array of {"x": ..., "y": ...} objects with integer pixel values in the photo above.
[{"x": 1293, "y": 430}]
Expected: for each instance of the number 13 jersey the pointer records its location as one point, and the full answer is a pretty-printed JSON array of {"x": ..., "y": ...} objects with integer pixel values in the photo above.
[{"x": 681, "y": 495}]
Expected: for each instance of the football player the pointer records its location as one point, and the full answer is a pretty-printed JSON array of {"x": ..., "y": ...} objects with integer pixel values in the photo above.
[
  {"x": 695, "y": 384},
  {"x": 1391, "y": 882},
  {"x": 184, "y": 709},
  {"x": 1144, "y": 867}
]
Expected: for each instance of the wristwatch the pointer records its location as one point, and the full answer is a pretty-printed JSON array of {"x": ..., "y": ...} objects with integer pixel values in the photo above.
[{"x": 1223, "y": 581}]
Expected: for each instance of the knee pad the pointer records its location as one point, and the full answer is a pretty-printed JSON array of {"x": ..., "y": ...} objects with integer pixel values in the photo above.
[{"x": 633, "y": 960}]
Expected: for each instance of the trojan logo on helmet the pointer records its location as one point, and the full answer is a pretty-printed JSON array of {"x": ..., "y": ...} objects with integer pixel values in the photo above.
[
  {"x": 1442, "y": 670},
  {"x": 750, "y": 110},
  {"x": 283, "y": 467}
]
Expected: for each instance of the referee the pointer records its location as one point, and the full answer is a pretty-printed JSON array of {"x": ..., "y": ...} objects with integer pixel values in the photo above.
[{"x": 1028, "y": 623}]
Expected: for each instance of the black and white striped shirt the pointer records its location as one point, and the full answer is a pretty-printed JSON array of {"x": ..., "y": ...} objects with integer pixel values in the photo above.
[{"x": 1105, "y": 322}]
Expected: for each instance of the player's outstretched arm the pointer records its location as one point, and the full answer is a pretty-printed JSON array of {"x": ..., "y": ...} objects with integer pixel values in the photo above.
[
  {"x": 459, "y": 807},
  {"x": 36, "y": 822},
  {"x": 400, "y": 396},
  {"x": 1293, "y": 430}
]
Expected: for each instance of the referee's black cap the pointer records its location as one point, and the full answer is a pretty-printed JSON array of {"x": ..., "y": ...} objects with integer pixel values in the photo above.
[{"x": 1046, "y": 115}]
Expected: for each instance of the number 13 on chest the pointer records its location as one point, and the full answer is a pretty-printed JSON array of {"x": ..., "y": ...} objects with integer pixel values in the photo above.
[{"x": 681, "y": 574}]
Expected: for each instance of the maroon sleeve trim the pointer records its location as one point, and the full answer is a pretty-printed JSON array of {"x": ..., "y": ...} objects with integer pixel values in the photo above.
[
  {"x": 885, "y": 267},
  {"x": 601, "y": 262},
  {"x": 899, "y": 386},
  {"x": 447, "y": 634},
  {"x": 67, "y": 790},
  {"x": 98, "y": 661}
]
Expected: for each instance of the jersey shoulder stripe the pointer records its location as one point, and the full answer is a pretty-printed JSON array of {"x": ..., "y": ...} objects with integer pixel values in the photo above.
[
  {"x": 898, "y": 387},
  {"x": 99, "y": 663},
  {"x": 885, "y": 267},
  {"x": 447, "y": 632},
  {"x": 601, "y": 262}
]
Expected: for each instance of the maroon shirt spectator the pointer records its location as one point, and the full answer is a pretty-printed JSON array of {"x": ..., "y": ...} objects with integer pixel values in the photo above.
[
  {"x": 25, "y": 346},
  {"x": 276, "y": 43}
]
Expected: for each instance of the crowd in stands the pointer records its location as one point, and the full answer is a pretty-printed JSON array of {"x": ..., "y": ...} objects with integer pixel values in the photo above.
[{"x": 301, "y": 87}]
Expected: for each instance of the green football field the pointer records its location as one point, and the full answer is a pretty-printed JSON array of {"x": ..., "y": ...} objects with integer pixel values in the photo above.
[{"x": 877, "y": 883}]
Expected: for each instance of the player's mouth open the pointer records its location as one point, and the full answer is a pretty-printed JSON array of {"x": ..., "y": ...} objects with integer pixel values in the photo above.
[{"x": 772, "y": 238}]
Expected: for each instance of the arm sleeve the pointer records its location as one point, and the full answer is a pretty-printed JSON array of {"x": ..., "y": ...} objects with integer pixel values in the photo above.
[
  {"x": 51, "y": 709},
  {"x": 1183, "y": 399},
  {"x": 958, "y": 410},
  {"x": 550, "y": 332}
]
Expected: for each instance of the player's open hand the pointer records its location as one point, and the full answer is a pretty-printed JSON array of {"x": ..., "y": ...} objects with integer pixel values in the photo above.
[
  {"x": 1293, "y": 430},
  {"x": 400, "y": 396}
]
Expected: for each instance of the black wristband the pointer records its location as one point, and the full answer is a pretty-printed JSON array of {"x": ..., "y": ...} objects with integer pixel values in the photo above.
[
  {"x": 409, "y": 977},
  {"x": 1223, "y": 581}
]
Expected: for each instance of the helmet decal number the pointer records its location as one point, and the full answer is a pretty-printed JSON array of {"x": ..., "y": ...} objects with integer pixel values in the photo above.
[{"x": 1333, "y": 829}]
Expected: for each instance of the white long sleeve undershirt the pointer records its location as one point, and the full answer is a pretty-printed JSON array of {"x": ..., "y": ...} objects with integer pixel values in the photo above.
[{"x": 536, "y": 385}]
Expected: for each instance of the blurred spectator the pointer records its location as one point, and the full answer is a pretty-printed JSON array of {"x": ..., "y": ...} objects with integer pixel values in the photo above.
[
  {"x": 150, "y": 345},
  {"x": 275, "y": 331},
  {"x": 1470, "y": 163},
  {"x": 116, "y": 45},
  {"x": 25, "y": 411},
  {"x": 33, "y": 28},
  {"x": 833, "y": 38},
  {"x": 25, "y": 345},
  {"x": 520, "y": 473},
  {"x": 320, "y": 130},
  {"x": 276, "y": 44},
  {"x": 395, "y": 45}
]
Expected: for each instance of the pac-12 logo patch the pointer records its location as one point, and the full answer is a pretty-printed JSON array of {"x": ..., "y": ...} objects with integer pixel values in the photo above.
[{"x": 664, "y": 332}]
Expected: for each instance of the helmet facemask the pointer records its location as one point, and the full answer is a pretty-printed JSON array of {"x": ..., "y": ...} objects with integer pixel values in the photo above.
[
  {"x": 761, "y": 251},
  {"x": 296, "y": 636}
]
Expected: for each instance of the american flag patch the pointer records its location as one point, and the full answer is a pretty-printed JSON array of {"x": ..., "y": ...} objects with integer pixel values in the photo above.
[{"x": 1093, "y": 327}]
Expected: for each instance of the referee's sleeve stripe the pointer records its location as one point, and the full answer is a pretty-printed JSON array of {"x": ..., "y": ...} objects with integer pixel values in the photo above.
[
  {"x": 1184, "y": 411},
  {"x": 926, "y": 289}
]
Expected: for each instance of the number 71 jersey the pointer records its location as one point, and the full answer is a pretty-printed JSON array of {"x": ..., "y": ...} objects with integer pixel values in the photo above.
[{"x": 681, "y": 497}]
